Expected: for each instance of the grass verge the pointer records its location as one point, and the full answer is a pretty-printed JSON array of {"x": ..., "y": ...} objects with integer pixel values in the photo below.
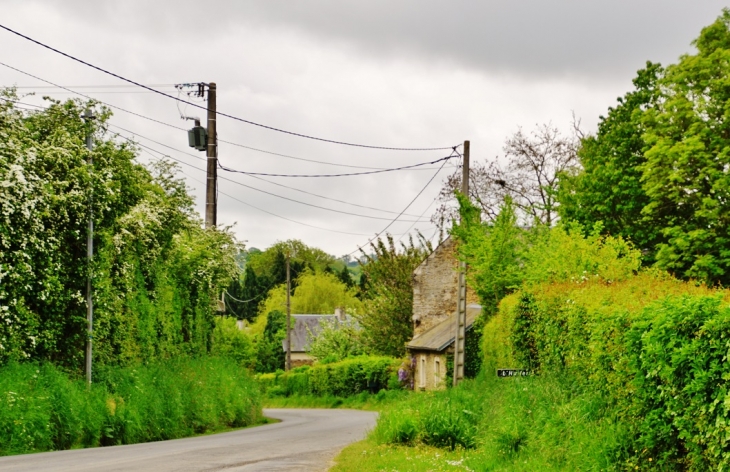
[{"x": 514, "y": 424}]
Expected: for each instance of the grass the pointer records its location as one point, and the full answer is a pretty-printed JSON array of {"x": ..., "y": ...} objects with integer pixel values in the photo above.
[
  {"x": 44, "y": 409},
  {"x": 515, "y": 424}
]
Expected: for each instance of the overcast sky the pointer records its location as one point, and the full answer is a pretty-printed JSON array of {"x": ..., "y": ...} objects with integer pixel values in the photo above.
[{"x": 398, "y": 74}]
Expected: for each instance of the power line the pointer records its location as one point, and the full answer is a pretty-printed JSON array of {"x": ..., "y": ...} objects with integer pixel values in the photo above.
[
  {"x": 327, "y": 198},
  {"x": 231, "y": 196},
  {"x": 271, "y": 193},
  {"x": 444, "y": 159},
  {"x": 404, "y": 210},
  {"x": 172, "y": 97},
  {"x": 287, "y": 156}
]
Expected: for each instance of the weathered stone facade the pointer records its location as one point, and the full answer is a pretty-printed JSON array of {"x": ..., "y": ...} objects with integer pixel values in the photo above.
[
  {"x": 435, "y": 288},
  {"x": 430, "y": 372}
]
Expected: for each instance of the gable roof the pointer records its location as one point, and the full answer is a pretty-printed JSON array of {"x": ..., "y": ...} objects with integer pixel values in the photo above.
[
  {"x": 305, "y": 324},
  {"x": 441, "y": 336}
]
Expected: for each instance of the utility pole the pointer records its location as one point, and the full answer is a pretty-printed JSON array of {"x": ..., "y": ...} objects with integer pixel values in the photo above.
[
  {"x": 288, "y": 314},
  {"x": 460, "y": 327},
  {"x": 88, "y": 116},
  {"x": 211, "y": 188}
]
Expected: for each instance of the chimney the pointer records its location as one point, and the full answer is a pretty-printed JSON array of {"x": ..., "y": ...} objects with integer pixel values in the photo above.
[{"x": 340, "y": 314}]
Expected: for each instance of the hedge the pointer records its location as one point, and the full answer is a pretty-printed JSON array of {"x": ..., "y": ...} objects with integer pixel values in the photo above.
[
  {"x": 655, "y": 349},
  {"x": 347, "y": 377}
]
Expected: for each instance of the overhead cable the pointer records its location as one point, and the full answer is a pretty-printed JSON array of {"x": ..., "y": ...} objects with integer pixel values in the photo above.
[
  {"x": 404, "y": 210},
  {"x": 444, "y": 159},
  {"x": 169, "y": 125},
  {"x": 172, "y": 97}
]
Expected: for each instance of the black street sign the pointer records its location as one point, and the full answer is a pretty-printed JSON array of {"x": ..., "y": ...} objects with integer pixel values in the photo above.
[{"x": 512, "y": 373}]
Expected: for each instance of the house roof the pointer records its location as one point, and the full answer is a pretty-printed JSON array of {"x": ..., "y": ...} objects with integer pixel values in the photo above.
[
  {"x": 305, "y": 324},
  {"x": 441, "y": 336}
]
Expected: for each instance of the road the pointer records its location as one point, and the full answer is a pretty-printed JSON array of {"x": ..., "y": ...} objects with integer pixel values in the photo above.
[{"x": 305, "y": 440}]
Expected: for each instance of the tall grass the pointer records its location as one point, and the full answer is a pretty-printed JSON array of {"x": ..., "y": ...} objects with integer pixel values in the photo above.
[
  {"x": 538, "y": 423},
  {"x": 43, "y": 409}
]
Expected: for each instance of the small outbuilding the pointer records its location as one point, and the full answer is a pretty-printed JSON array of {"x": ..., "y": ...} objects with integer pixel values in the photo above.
[
  {"x": 306, "y": 328},
  {"x": 431, "y": 349}
]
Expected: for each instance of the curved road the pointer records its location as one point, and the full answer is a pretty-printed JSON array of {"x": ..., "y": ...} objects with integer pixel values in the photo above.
[{"x": 305, "y": 440}]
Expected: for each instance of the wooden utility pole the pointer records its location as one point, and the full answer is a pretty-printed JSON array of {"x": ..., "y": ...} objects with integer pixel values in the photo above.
[
  {"x": 288, "y": 314},
  {"x": 88, "y": 116},
  {"x": 460, "y": 327},
  {"x": 211, "y": 188}
]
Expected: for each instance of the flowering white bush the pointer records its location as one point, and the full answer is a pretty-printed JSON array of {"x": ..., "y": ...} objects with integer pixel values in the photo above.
[{"x": 155, "y": 274}]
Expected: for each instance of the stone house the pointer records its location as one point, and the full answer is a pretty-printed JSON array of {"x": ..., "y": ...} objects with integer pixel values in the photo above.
[
  {"x": 435, "y": 298},
  {"x": 305, "y": 328}
]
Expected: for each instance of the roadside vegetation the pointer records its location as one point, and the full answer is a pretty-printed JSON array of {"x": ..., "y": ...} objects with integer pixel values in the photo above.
[
  {"x": 618, "y": 310},
  {"x": 43, "y": 409}
]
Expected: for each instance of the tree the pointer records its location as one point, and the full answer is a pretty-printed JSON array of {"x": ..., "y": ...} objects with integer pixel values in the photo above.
[
  {"x": 688, "y": 158},
  {"x": 609, "y": 187},
  {"x": 156, "y": 273},
  {"x": 345, "y": 277},
  {"x": 493, "y": 252},
  {"x": 314, "y": 294},
  {"x": 530, "y": 178},
  {"x": 336, "y": 341},
  {"x": 387, "y": 317}
]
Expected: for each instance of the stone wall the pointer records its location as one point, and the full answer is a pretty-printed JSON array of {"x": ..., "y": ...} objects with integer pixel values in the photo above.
[
  {"x": 435, "y": 288},
  {"x": 430, "y": 372}
]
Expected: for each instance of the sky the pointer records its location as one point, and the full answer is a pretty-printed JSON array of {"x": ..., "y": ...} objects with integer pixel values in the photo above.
[{"x": 406, "y": 74}]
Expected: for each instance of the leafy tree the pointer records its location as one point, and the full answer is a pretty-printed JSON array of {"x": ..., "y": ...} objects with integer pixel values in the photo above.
[
  {"x": 493, "y": 252},
  {"x": 272, "y": 261},
  {"x": 314, "y": 294},
  {"x": 530, "y": 179},
  {"x": 688, "y": 157},
  {"x": 345, "y": 277},
  {"x": 156, "y": 273},
  {"x": 609, "y": 187},
  {"x": 387, "y": 317},
  {"x": 270, "y": 354},
  {"x": 336, "y": 341}
]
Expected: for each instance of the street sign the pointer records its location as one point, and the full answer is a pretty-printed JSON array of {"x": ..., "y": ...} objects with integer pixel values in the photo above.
[{"x": 512, "y": 372}]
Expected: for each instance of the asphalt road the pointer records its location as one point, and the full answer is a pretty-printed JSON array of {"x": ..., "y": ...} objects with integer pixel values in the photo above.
[{"x": 305, "y": 440}]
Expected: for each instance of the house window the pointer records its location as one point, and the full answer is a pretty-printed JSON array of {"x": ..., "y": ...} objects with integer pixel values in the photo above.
[
  {"x": 423, "y": 372},
  {"x": 436, "y": 371}
]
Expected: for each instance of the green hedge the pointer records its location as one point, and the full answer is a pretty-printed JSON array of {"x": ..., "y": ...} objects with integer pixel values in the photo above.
[
  {"x": 654, "y": 348},
  {"x": 345, "y": 378},
  {"x": 43, "y": 409}
]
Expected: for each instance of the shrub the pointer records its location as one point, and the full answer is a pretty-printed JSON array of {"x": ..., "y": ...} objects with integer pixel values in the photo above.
[
  {"x": 42, "y": 408},
  {"x": 653, "y": 348},
  {"x": 340, "y": 379}
]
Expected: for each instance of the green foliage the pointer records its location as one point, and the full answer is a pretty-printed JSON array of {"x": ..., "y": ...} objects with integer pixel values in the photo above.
[
  {"x": 493, "y": 252},
  {"x": 609, "y": 187},
  {"x": 534, "y": 423},
  {"x": 652, "y": 347},
  {"x": 43, "y": 409},
  {"x": 678, "y": 358},
  {"x": 657, "y": 171},
  {"x": 386, "y": 318},
  {"x": 687, "y": 160},
  {"x": 271, "y": 263},
  {"x": 314, "y": 294},
  {"x": 156, "y": 274},
  {"x": 337, "y": 379},
  {"x": 233, "y": 343},
  {"x": 336, "y": 341},
  {"x": 270, "y": 354}
]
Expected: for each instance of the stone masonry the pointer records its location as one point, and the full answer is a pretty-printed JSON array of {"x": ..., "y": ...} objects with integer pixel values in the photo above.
[{"x": 435, "y": 288}]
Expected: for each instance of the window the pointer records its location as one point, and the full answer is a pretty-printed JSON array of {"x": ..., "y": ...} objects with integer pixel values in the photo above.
[{"x": 436, "y": 370}]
